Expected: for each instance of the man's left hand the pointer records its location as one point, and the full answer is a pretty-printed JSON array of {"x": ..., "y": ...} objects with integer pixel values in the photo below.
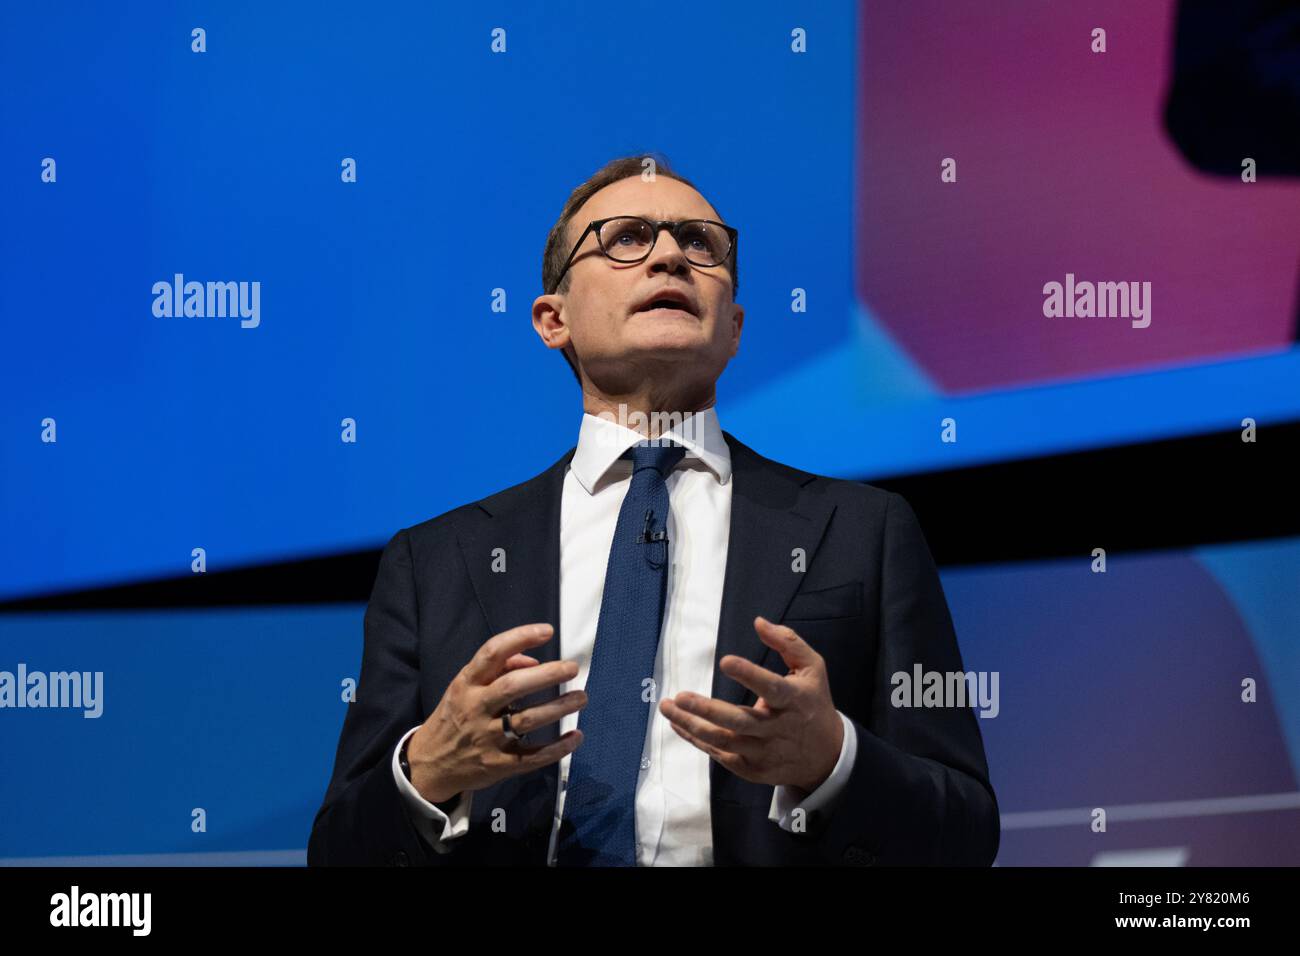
[{"x": 791, "y": 736}]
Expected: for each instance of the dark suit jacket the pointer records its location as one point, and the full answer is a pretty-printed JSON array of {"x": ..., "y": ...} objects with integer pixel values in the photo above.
[{"x": 869, "y": 600}]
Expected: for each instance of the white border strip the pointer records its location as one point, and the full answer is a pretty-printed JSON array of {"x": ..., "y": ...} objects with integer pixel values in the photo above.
[{"x": 1153, "y": 811}]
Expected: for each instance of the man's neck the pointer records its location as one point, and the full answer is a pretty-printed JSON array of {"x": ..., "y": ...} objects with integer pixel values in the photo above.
[{"x": 646, "y": 413}]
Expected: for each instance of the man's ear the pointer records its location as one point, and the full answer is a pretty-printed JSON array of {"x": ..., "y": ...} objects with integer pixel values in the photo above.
[
  {"x": 737, "y": 323},
  {"x": 548, "y": 321}
]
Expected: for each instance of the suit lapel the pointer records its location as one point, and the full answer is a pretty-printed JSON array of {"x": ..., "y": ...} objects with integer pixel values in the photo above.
[
  {"x": 523, "y": 521},
  {"x": 770, "y": 518}
]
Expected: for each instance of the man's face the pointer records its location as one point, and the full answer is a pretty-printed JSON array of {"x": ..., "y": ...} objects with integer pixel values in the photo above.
[{"x": 619, "y": 343}]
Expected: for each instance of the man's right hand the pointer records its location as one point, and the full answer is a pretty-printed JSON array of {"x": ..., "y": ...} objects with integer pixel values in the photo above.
[{"x": 462, "y": 746}]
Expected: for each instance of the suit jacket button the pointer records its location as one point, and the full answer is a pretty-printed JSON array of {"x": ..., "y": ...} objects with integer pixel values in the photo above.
[{"x": 401, "y": 859}]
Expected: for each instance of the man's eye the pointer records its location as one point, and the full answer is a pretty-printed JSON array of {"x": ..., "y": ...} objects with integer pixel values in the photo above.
[{"x": 695, "y": 236}]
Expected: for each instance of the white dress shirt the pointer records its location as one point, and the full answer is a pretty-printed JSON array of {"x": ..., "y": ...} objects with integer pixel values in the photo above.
[{"x": 673, "y": 817}]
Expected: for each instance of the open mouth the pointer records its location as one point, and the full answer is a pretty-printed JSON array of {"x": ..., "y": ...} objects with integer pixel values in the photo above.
[{"x": 667, "y": 305}]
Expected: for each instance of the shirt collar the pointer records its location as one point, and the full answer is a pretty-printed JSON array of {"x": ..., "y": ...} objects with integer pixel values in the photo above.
[{"x": 602, "y": 441}]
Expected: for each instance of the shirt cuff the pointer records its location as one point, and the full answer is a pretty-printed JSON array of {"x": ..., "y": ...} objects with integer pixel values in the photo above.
[
  {"x": 785, "y": 800},
  {"x": 435, "y": 826}
]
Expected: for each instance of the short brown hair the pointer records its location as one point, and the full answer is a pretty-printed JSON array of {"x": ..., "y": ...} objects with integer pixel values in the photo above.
[{"x": 615, "y": 170}]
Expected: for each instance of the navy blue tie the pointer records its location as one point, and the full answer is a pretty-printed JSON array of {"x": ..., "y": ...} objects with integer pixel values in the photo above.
[{"x": 599, "y": 825}]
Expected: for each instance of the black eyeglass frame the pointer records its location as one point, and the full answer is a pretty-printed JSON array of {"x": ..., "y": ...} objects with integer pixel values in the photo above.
[{"x": 673, "y": 225}]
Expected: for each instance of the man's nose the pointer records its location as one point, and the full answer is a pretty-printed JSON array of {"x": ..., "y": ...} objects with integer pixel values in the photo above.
[{"x": 667, "y": 254}]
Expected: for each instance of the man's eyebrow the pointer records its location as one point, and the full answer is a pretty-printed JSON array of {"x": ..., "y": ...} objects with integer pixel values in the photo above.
[{"x": 646, "y": 215}]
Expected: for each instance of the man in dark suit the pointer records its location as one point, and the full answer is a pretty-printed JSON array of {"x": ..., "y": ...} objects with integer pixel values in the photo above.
[{"x": 673, "y": 568}]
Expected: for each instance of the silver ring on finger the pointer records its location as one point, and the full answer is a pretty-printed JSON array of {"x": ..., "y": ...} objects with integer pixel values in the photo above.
[{"x": 505, "y": 724}]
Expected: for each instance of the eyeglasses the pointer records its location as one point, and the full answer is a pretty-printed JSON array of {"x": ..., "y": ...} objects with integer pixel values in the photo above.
[{"x": 630, "y": 238}]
